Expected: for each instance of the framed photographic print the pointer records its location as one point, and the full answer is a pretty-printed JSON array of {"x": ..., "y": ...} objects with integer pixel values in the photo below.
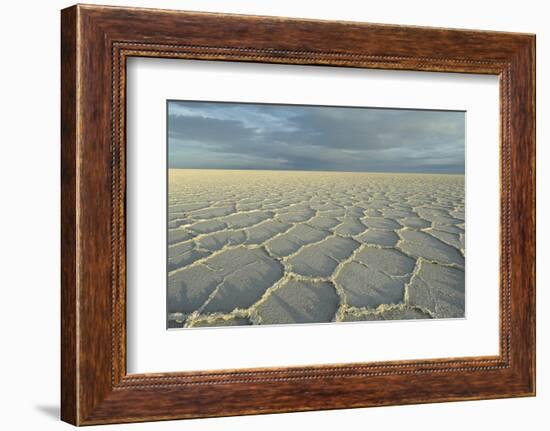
[{"x": 321, "y": 214}]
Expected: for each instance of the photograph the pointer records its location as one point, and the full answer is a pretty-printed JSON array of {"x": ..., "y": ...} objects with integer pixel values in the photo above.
[{"x": 288, "y": 214}]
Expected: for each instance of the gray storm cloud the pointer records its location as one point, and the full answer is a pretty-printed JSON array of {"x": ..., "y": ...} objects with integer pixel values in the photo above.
[{"x": 214, "y": 135}]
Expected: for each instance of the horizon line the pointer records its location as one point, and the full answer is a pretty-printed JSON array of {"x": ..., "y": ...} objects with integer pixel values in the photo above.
[{"x": 312, "y": 170}]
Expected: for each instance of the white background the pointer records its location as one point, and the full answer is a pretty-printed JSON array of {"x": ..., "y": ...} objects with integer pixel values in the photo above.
[
  {"x": 153, "y": 349},
  {"x": 29, "y": 216}
]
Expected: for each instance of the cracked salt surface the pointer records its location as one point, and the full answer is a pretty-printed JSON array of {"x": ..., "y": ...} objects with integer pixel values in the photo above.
[{"x": 265, "y": 247}]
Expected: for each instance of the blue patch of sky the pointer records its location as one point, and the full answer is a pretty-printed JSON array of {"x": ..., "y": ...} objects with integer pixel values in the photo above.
[{"x": 215, "y": 135}]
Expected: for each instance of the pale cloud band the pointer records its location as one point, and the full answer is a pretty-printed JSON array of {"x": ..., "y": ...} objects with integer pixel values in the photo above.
[{"x": 214, "y": 135}]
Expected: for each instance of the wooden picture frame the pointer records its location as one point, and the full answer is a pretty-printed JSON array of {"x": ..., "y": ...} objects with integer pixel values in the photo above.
[{"x": 95, "y": 43}]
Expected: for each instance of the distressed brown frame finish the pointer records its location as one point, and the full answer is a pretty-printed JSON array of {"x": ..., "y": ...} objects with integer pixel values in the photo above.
[{"x": 96, "y": 41}]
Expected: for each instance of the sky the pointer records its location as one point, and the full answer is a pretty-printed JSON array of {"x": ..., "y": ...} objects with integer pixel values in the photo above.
[{"x": 215, "y": 135}]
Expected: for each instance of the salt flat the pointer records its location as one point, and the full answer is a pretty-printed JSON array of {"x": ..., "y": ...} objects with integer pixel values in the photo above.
[{"x": 276, "y": 247}]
